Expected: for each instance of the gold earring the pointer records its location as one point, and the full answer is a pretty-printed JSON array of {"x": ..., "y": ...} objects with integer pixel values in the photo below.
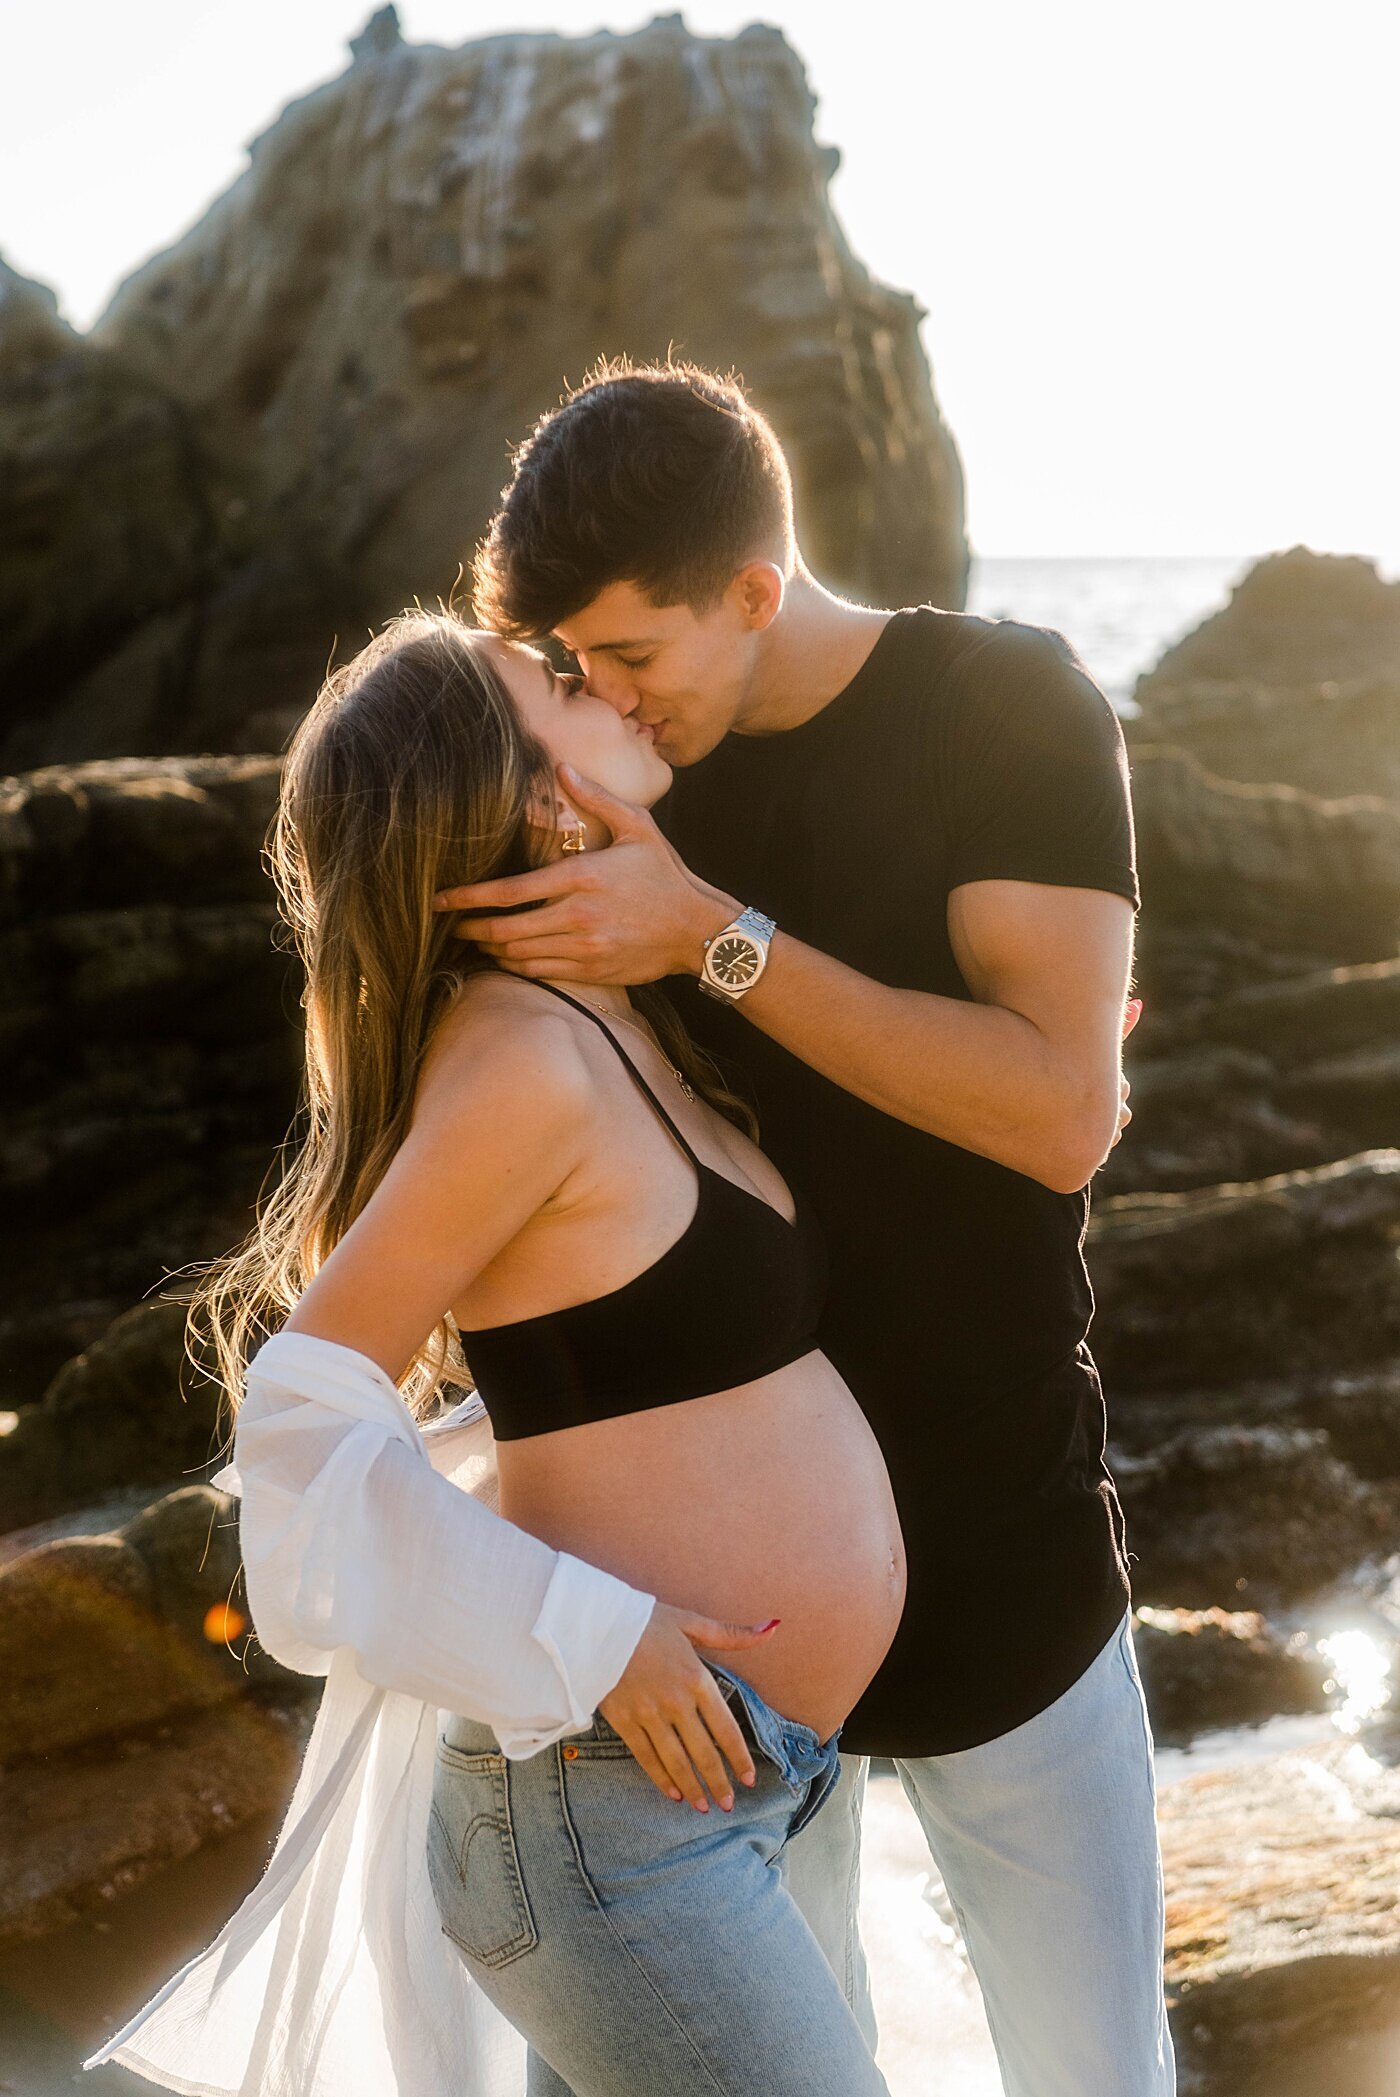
[{"x": 575, "y": 838}]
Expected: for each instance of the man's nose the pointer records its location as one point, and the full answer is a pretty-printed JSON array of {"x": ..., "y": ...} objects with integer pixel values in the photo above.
[{"x": 615, "y": 686}]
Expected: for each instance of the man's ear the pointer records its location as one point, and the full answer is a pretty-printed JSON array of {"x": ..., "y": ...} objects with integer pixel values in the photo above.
[{"x": 757, "y": 591}]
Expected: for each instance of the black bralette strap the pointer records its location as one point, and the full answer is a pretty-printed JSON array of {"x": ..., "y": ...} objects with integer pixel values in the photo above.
[{"x": 603, "y": 1027}]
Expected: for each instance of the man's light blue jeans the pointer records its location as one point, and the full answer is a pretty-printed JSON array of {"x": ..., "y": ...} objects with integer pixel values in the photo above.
[{"x": 1046, "y": 1839}]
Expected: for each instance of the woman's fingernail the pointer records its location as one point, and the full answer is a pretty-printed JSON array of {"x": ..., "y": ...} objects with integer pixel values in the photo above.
[
  {"x": 771, "y": 1624},
  {"x": 728, "y": 1802},
  {"x": 674, "y": 1795},
  {"x": 750, "y": 1780},
  {"x": 702, "y": 1805}
]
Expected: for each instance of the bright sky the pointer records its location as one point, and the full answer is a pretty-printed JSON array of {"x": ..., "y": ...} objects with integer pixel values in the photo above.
[{"x": 1156, "y": 238}]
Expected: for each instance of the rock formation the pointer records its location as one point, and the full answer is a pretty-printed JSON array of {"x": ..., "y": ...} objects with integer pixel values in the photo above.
[
  {"x": 1245, "y": 881},
  {"x": 1283, "y": 1885},
  {"x": 104, "y": 526},
  {"x": 145, "y": 1045},
  {"x": 138, "y": 1719},
  {"x": 1289, "y": 1274},
  {"x": 318, "y": 384},
  {"x": 1256, "y": 1514},
  {"x": 1221, "y": 1667},
  {"x": 1296, "y": 681}
]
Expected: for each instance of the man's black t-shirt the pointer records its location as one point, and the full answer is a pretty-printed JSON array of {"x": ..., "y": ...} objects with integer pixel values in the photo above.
[{"x": 964, "y": 749}]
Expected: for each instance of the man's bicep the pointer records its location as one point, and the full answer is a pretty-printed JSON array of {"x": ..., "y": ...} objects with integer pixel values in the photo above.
[{"x": 1060, "y": 956}]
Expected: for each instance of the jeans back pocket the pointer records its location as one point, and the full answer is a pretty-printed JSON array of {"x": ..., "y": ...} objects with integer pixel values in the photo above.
[{"x": 473, "y": 1864}]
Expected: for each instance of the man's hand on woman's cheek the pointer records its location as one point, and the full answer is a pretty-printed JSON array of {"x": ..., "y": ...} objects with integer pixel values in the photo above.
[{"x": 628, "y": 914}]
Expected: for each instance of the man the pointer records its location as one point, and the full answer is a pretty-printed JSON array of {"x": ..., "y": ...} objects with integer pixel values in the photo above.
[{"x": 897, "y": 885}]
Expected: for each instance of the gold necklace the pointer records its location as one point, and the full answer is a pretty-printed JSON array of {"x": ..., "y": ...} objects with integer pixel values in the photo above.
[{"x": 607, "y": 1013}]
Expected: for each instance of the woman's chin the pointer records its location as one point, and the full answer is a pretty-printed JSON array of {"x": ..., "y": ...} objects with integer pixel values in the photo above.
[{"x": 657, "y": 781}]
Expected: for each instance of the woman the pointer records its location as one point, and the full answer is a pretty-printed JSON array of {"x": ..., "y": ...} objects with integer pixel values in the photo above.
[{"x": 563, "y": 1186}]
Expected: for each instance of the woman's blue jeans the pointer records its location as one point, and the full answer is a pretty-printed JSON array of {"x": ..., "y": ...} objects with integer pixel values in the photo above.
[{"x": 640, "y": 1946}]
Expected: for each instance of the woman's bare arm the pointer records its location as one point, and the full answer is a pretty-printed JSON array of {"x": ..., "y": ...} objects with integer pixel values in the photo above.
[{"x": 499, "y": 1125}]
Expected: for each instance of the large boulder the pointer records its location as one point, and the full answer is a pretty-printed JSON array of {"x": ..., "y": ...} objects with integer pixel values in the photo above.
[
  {"x": 1297, "y": 618},
  {"x": 1222, "y": 1667},
  {"x": 1289, "y": 1276},
  {"x": 1267, "y": 1078},
  {"x": 139, "y": 1717},
  {"x": 1283, "y": 1888},
  {"x": 79, "y": 1832},
  {"x": 105, "y": 521},
  {"x": 1241, "y": 883},
  {"x": 147, "y": 1044},
  {"x": 127, "y": 1411},
  {"x": 105, "y": 1631},
  {"x": 1296, "y": 680},
  {"x": 1262, "y": 1514},
  {"x": 419, "y": 255}
]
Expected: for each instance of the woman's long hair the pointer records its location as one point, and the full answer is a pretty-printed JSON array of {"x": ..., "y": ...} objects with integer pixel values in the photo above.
[{"x": 412, "y": 772}]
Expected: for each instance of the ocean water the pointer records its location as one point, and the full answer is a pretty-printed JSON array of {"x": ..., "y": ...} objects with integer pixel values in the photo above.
[{"x": 1120, "y": 613}]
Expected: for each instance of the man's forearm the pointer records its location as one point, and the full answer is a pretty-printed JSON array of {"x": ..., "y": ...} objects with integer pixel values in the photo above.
[{"x": 976, "y": 1075}]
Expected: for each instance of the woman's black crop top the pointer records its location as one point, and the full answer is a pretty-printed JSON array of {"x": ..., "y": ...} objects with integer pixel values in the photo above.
[{"x": 736, "y": 1297}]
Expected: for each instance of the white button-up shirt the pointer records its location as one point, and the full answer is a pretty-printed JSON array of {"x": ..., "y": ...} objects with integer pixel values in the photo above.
[{"x": 374, "y": 1556}]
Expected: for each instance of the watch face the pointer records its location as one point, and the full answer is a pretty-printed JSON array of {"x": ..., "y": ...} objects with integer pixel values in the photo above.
[{"x": 733, "y": 961}]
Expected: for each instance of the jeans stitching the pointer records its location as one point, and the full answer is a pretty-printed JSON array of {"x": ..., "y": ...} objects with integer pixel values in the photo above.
[{"x": 502, "y": 1826}]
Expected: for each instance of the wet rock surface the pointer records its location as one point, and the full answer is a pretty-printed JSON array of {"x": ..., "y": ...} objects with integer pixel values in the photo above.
[
  {"x": 1264, "y": 1512},
  {"x": 79, "y": 1832},
  {"x": 1207, "y": 1668},
  {"x": 418, "y": 253},
  {"x": 1283, "y": 1888},
  {"x": 1245, "y": 1250},
  {"x": 138, "y": 1717}
]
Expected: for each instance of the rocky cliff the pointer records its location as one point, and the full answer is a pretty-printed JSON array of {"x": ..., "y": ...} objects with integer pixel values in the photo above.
[{"x": 305, "y": 406}]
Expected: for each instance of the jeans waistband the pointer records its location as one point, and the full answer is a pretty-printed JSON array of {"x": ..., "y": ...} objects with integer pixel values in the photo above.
[{"x": 793, "y": 1747}]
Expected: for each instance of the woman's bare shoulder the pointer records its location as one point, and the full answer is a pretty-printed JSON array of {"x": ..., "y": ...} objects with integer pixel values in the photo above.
[{"x": 505, "y": 1039}]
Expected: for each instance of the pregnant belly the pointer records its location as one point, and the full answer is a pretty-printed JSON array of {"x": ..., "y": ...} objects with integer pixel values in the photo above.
[{"x": 769, "y": 1500}]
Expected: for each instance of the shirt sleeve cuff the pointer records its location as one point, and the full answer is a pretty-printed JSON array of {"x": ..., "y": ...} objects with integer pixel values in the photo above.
[{"x": 589, "y": 1624}]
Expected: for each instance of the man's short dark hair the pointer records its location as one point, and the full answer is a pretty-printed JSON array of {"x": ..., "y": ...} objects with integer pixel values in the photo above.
[{"x": 661, "y": 475}]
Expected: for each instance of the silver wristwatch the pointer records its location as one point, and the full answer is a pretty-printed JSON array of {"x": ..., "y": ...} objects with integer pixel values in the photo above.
[{"x": 736, "y": 957}]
